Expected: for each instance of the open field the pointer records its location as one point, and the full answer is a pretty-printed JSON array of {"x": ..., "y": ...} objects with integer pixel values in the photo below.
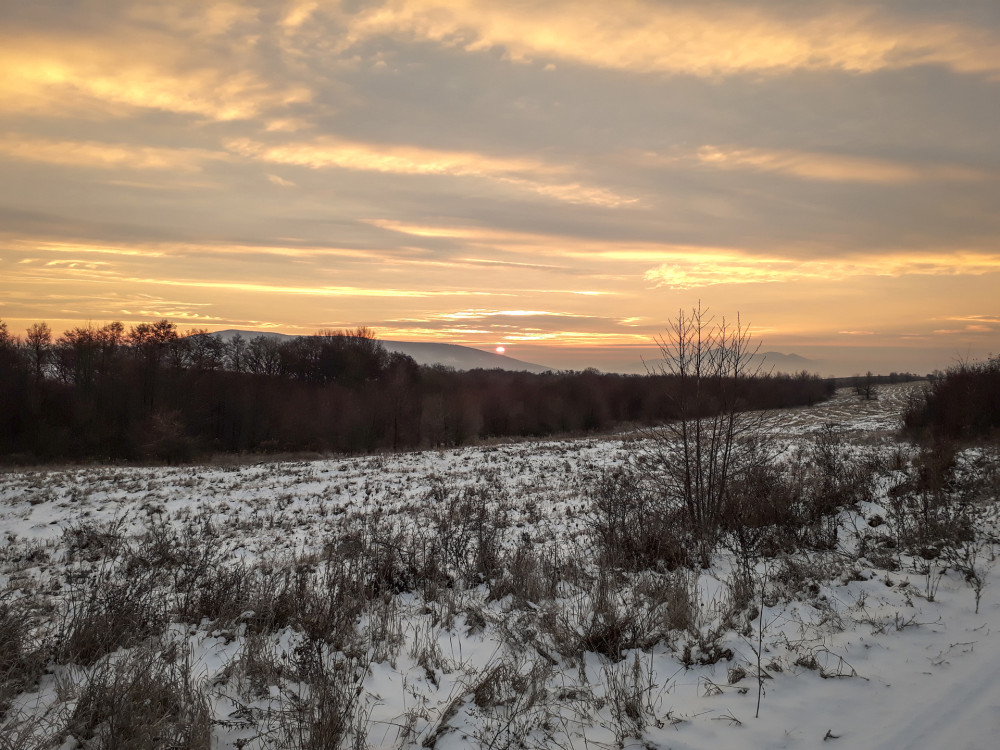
[{"x": 462, "y": 598}]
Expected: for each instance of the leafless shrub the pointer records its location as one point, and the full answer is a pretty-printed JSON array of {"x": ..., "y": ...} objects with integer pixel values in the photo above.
[
  {"x": 673, "y": 598},
  {"x": 91, "y": 542},
  {"x": 802, "y": 575},
  {"x": 188, "y": 555},
  {"x": 826, "y": 477},
  {"x": 632, "y": 694},
  {"x": 529, "y": 574},
  {"x": 596, "y": 621},
  {"x": 866, "y": 386},
  {"x": 109, "y": 611},
  {"x": 31, "y": 727},
  {"x": 973, "y": 561},
  {"x": 511, "y": 697},
  {"x": 471, "y": 526},
  {"x": 694, "y": 460},
  {"x": 933, "y": 514},
  {"x": 263, "y": 597},
  {"x": 258, "y": 666},
  {"x": 23, "y": 655},
  {"x": 633, "y": 528},
  {"x": 323, "y": 707},
  {"x": 145, "y": 698}
]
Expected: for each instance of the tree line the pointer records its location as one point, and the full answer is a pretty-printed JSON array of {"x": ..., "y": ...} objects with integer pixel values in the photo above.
[
  {"x": 149, "y": 393},
  {"x": 960, "y": 404}
]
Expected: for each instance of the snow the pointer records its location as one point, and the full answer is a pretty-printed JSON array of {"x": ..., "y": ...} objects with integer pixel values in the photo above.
[{"x": 874, "y": 658}]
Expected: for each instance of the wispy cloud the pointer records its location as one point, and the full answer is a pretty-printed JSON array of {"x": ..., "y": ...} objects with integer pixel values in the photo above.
[
  {"x": 304, "y": 290},
  {"x": 518, "y": 172},
  {"x": 99, "y": 77},
  {"x": 481, "y": 314},
  {"x": 395, "y": 159},
  {"x": 831, "y": 167},
  {"x": 986, "y": 320},
  {"x": 573, "y": 192},
  {"x": 95, "y": 154},
  {"x": 280, "y": 181},
  {"x": 712, "y": 270},
  {"x": 705, "y": 39}
]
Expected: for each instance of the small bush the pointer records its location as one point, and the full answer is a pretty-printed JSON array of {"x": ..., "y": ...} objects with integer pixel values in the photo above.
[
  {"x": 114, "y": 611},
  {"x": 962, "y": 404},
  {"x": 632, "y": 528},
  {"x": 140, "y": 701},
  {"x": 22, "y": 658}
]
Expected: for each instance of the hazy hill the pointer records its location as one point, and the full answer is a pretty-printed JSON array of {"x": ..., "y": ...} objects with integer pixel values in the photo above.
[
  {"x": 468, "y": 358},
  {"x": 428, "y": 353},
  {"x": 775, "y": 362}
]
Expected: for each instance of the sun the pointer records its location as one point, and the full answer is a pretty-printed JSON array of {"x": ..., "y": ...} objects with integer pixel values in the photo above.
[{"x": 499, "y": 350}]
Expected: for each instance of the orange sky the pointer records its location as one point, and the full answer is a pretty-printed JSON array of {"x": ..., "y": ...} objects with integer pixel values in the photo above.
[{"x": 555, "y": 177}]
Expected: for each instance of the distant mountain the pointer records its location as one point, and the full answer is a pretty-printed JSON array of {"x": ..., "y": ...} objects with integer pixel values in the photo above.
[
  {"x": 468, "y": 358},
  {"x": 460, "y": 357},
  {"x": 790, "y": 363},
  {"x": 427, "y": 353},
  {"x": 774, "y": 362},
  {"x": 232, "y": 332}
]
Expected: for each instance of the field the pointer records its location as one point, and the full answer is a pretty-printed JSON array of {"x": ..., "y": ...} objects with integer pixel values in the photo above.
[{"x": 465, "y": 598}]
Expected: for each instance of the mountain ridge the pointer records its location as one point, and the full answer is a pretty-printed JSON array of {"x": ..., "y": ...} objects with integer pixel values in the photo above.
[
  {"x": 427, "y": 353},
  {"x": 461, "y": 357}
]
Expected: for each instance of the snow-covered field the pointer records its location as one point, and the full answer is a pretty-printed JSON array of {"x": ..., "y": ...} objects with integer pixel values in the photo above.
[{"x": 289, "y": 604}]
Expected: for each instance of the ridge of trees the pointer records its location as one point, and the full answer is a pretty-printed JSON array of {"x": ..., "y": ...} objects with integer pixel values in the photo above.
[
  {"x": 962, "y": 403},
  {"x": 148, "y": 393}
]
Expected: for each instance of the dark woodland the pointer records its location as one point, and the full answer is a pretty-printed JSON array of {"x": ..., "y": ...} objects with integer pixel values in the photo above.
[{"x": 148, "y": 393}]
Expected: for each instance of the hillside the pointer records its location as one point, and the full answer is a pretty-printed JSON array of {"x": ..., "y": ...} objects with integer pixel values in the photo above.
[{"x": 461, "y": 598}]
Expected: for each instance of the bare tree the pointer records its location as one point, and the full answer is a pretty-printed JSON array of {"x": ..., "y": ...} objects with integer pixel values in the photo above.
[
  {"x": 866, "y": 387},
  {"x": 714, "y": 445},
  {"x": 39, "y": 345}
]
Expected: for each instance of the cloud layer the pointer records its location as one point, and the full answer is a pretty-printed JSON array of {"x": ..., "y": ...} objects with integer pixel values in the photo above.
[{"x": 558, "y": 174}]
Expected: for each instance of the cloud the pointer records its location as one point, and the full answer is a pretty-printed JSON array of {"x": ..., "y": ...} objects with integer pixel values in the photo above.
[
  {"x": 573, "y": 193},
  {"x": 480, "y": 326},
  {"x": 100, "y": 155},
  {"x": 100, "y": 248},
  {"x": 961, "y": 331},
  {"x": 832, "y": 167},
  {"x": 704, "y": 39},
  {"x": 983, "y": 320},
  {"x": 714, "y": 269},
  {"x": 280, "y": 181},
  {"x": 395, "y": 159},
  {"x": 588, "y": 162},
  {"x": 480, "y": 314},
  {"x": 540, "y": 244},
  {"x": 312, "y": 291},
  {"x": 172, "y": 314},
  {"x": 110, "y": 73},
  {"x": 521, "y": 173},
  {"x": 90, "y": 265}
]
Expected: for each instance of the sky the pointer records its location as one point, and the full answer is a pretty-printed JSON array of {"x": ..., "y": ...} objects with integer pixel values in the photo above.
[{"x": 558, "y": 177}]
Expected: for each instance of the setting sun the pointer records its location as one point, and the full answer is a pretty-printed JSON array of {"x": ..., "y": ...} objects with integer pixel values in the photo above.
[{"x": 500, "y": 350}]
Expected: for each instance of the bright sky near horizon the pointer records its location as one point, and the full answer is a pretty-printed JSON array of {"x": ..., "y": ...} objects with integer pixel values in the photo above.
[{"x": 557, "y": 177}]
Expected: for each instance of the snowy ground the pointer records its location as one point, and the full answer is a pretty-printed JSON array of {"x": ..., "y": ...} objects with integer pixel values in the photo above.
[{"x": 851, "y": 651}]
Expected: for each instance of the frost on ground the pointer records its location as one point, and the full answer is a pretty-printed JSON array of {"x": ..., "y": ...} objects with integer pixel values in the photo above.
[{"x": 463, "y": 598}]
